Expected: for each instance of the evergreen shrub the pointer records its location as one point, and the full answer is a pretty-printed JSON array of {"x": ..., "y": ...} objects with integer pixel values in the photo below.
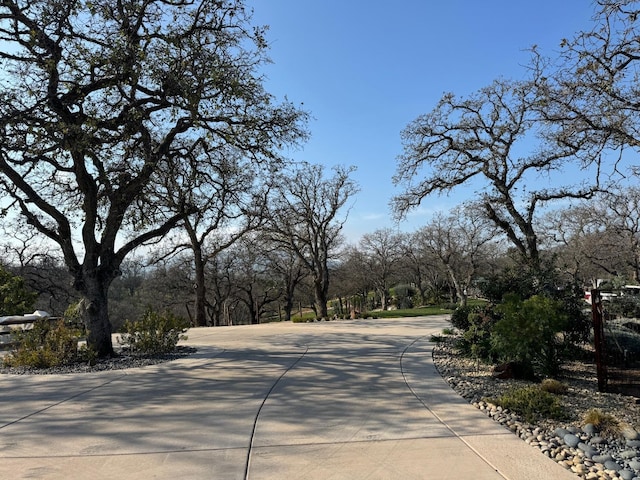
[
  {"x": 154, "y": 333},
  {"x": 48, "y": 344}
]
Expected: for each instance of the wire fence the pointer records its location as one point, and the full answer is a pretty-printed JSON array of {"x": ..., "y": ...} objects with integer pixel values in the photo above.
[{"x": 617, "y": 346}]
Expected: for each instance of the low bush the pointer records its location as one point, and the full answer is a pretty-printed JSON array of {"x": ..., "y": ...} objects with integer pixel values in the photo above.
[
  {"x": 15, "y": 298},
  {"x": 74, "y": 316},
  {"x": 627, "y": 306},
  {"x": 532, "y": 403},
  {"x": 302, "y": 320},
  {"x": 48, "y": 344},
  {"x": 460, "y": 318},
  {"x": 554, "y": 386},
  {"x": 402, "y": 296},
  {"x": 154, "y": 333}
]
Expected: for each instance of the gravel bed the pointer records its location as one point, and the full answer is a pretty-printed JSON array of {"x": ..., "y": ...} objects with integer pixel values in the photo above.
[
  {"x": 574, "y": 445},
  {"x": 120, "y": 362}
]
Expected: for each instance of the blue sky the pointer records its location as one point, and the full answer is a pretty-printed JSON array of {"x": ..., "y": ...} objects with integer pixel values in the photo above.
[{"x": 364, "y": 69}]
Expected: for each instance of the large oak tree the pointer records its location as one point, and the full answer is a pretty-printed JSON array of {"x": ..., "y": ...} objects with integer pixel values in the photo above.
[
  {"x": 100, "y": 99},
  {"x": 494, "y": 143}
]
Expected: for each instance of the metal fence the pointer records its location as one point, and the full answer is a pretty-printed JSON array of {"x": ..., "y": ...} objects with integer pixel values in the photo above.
[{"x": 616, "y": 344}]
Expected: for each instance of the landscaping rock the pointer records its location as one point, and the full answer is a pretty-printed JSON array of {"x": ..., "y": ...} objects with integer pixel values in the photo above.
[
  {"x": 580, "y": 448},
  {"x": 571, "y": 440},
  {"x": 611, "y": 465}
]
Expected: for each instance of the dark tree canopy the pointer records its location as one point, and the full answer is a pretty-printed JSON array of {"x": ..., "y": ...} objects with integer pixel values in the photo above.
[{"x": 101, "y": 100}]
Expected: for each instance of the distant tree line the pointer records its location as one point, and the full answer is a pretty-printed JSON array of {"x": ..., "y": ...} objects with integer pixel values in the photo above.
[{"x": 257, "y": 279}]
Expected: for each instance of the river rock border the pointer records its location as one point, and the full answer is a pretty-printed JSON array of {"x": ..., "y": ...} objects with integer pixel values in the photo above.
[{"x": 578, "y": 448}]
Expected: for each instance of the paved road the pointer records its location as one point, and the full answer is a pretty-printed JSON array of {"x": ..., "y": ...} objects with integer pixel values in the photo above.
[{"x": 332, "y": 400}]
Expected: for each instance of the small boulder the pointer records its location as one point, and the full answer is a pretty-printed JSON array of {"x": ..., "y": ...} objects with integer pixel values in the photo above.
[
  {"x": 627, "y": 474},
  {"x": 571, "y": 440},
  {"x": 602, "y": 458},
  {"x": 611, "y": 465},
  {"x": 588, "y": 450},
  {"x": 635, "y": 464}
]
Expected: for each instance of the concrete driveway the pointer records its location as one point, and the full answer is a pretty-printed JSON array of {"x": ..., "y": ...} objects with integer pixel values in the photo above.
[{"x": 331, "y": 400}]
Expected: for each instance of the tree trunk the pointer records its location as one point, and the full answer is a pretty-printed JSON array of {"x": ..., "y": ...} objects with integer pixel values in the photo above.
[
  {"x": 96, "y": 318},
  {"x": 384, "y": 300},
  {"x": 321, "y": 288},
  {"x": 200, "y": 316},
  {"x": 252, "y": 307},
  {"x": 288, "y": 297},
  {"x": 458, "y": 287},
  {"x": 288, "y": 308}
]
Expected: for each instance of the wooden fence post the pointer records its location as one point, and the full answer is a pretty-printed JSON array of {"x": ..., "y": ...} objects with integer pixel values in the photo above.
[{"x": 598, "y": 337}]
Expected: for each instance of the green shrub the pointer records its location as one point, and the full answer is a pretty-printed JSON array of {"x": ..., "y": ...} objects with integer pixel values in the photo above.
[
  {"x": 528, "y": 332},
  {"x": 73, "y": 316},
  {"x": 302, "y": 320},
  {"x": 623, "y": 340},
  {"x": 403, "y": 296},
  {"x": 47, "y": 344},
  {"x": 579, "y": 324},
  {"x": 532, "y": 403},
  {"x": 154, "y": 333},
  {"x": 627, "y": 306},
  {"x": 476, "y": 340},
  {"x": 460, "y": 318},
  {"x": 515, "y": 280},
  {"x": 15, "y": 298}
]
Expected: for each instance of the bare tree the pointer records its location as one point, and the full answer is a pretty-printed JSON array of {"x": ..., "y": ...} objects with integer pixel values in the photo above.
[
  {"x": 382, "y": 252},
  {"x": 601, "y": 237},
  {"x": 25, "y": 254},
  {"x": 99, "y": 99},
  {"x": 290, "y": 270},
  {"x": 305, "y": 219},
  {"x": 477, "y": 142},
  {"x": 622, "y": 219},
  {"x": 255, "y": 284},
  {"x": 420, "y": 266},
  {"x": 590, "y": 93},
  {"x": 459, "y": 241},
  {"x": 351, "y": 282},
  {"x": 582, "y": 248},
  {"x": 229, "y": 196},
  {"x": 221, "y": 300}
]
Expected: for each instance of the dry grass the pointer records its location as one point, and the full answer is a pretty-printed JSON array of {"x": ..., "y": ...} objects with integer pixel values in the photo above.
[{"x": 605, "y": 423}]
